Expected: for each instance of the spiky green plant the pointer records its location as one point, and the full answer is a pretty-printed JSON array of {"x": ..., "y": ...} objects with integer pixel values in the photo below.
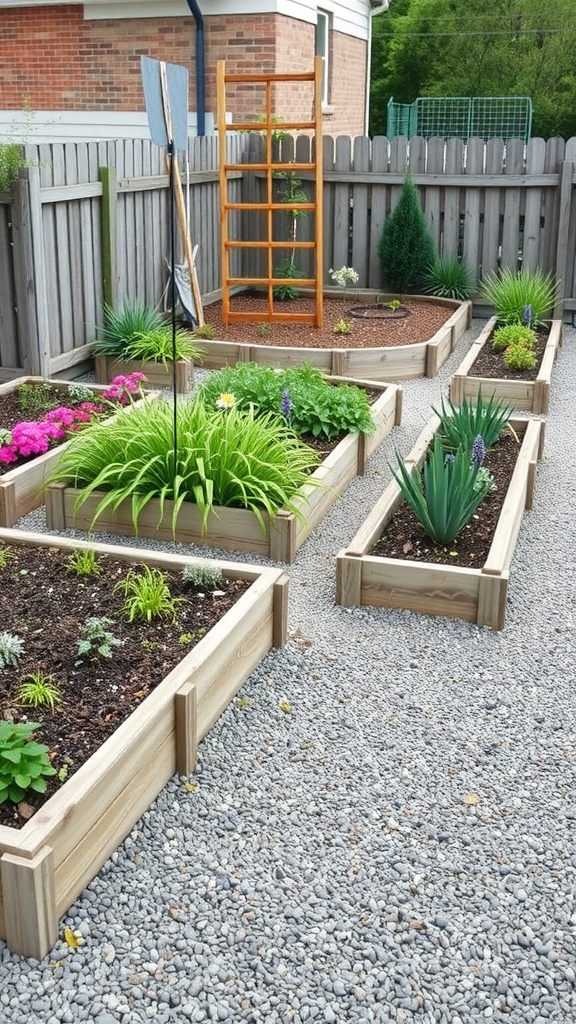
[
  {"x": 157, "y": 346},
  {"x": 515, "y": 294},
  {"x": 83, "y": 562},
  {"x": 225, "y": 458},
  {"x": 147, "y": 595},
  {"x": 460, "y": 425},
  {"x": 445, "y": 496},
  {"x": 122, "y": 324},
  {"x": 449, "y": 277},
  {"x": 37, "y": 689},
  {"x": 24, "y": 764},
  {"x": 405, "y": 247},
  {"x": 6, "y": 553}
]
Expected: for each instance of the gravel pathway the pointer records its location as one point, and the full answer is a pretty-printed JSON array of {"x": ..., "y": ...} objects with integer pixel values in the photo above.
[{"x": 398, "y": 847}]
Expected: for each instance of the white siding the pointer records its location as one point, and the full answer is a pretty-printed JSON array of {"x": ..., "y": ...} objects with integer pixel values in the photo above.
[{"x": 84, "y": 125}]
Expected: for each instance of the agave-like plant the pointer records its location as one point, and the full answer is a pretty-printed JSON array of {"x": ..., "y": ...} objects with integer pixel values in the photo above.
[
  {"x": 449, "y": 277},
  {"x": 522, "y": 296},
  {"x": 227, "y": 458},
  {"x": 460, "y": 425}
]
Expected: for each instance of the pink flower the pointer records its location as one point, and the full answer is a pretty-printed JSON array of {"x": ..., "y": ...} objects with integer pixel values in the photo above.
[
  {"x": 8, "y": 453},
  {"x": 34, "y": 438},
  {"x": 62, "y": 415}
]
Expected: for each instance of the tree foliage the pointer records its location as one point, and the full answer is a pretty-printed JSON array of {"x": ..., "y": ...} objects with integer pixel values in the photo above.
[
  {"x": 406, "y": 247},
  {"x": 488, "y": 48}
]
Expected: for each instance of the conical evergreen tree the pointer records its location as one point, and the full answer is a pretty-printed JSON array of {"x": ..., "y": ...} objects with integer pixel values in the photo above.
[{"x": 406, "y": 247}]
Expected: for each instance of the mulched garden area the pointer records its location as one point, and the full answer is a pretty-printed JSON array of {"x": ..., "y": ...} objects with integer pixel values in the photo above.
[
  {"x": 491, "y": 364},
  {"x": 424, "y": 319},
  {"x": 45, "y": 604},
  {"x": 405, "y": 538}
]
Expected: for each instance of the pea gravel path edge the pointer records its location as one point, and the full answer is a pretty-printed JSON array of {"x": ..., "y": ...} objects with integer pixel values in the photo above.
[{"x": 328, "y": 867}]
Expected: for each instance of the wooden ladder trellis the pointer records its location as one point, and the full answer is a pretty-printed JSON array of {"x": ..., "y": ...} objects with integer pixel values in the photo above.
[{"x": 267, "y": 126}]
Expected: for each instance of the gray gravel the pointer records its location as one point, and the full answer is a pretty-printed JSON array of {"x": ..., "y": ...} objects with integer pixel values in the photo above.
[{"x": 328, "y": 867}]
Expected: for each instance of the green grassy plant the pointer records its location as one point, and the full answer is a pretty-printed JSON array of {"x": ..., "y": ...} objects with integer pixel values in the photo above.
[
  {"x": 122, "y": 325},
  {"x": 519, "y": 357},
  {"x": 513, "y": 334},
  {"x": 521, "y": 296},
  {"x": 343, "y": 326},
  {"x": 405, "y": 247},
  {"x": 157, "y": 347},
  {"x": 207, "y": 331},
  {"x": 445, "y": 496},
  {"x": 24, "y": 763},
  {"x": 147, "y": 595},
  {"x": 460, "y": 425},
  {"x": 225, "y": 457},
  {"x": 449, "y": 277},
  {"x": 6, "y": 554},
  {"x": 83, "y": 562},
  {"x": 315, "y": 407},
  {"x": 39, "y": 690}
]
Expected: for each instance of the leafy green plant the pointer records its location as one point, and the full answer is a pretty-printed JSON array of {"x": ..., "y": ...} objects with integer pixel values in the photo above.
[
  {"x": 521, "y": 295},
  {"x": 157, "y": 346},
  {"x": 188, "y": 638},
  {"x": 513, "y": 334},
  {"x": 285, "y": 292},
  {"x": 147, "y": 595},
  {"x": 519, "y": 357},
  {"x": 264, "y": 330},
  {"x": 6, "y": 554},
  {"x": 122, "y": 325},
  {"x": 83, "y": 562},
  {"x": 405, "y": 247},
  {"x": 449, "y": 277},
  {"x": 39, "y": 690},
  {"x": 394, "y": 304},
  {"x": 11, "y": 162},
  {"x": 96, "y": 639},
  {"x": 207, "y": 331},
  {"x": 196, "y": 575},
  {"x": 231, "y": 459},
  {"x": 445, "y": 496},
  {"x": 343, "y": 326},
  {"x": 316, "y": 407},
  {"x": 11, "y": 649},
  {"x": 460, "y": 425},
  {"x": 78, "y": 393},
  {"x": 34, "y": 399},
  {"x": 24, "y": 763}
]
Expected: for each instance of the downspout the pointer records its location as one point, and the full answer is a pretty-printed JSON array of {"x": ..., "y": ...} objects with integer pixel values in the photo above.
[
  {"x": 200, "y": 68},
  {"x": 373, "y": 12}
]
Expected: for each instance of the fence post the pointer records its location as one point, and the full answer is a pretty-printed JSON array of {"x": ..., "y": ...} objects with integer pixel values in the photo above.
[
  {"x": 565, "y": 198},
  {"x": 108, "y": 209},
  {"x": 29, "y": 275}
]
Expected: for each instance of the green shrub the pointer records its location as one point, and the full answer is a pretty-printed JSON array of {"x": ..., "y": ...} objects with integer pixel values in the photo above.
[
  {"x": 122, "y": 325},
  {"x": 406, "y": 247},
  {"x": 24, "y": 764},
  {"x": 519, "y": 357},
  {"x": 225, "y": 457},
  {"x": 449, "y": 277},
  {"x": 11, "y": 162},
  {"x": 513, "y": 334},
  {"x": 521, "y": 297}
]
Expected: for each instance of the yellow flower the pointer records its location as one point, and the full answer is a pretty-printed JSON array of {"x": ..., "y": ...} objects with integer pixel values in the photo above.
[{"x": 226, "y": 401}]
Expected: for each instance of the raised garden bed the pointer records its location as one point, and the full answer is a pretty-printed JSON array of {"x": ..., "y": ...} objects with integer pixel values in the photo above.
[
  {"x": 473, "y": 594},
  {"x": 383, "y": 362},
  {"x": 518, "y": 392},
  {"x": 237, "y": 528},
  {"x": 22, "y": 488},
  {"x": 45, "y": 864},
  {"x": 159, "y": 374}
]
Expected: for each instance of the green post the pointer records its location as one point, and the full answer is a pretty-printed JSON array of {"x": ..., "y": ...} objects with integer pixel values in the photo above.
[{"x": 107, "y": 176}]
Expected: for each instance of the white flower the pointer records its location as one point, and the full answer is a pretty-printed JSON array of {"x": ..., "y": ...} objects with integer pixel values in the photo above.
[
  {"x": 344, "y": 276},
  {"x": 226, "y": 401}
]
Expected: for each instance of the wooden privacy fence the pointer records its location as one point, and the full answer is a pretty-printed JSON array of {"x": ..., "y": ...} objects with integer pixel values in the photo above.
[{"x": 90, "y": 221}]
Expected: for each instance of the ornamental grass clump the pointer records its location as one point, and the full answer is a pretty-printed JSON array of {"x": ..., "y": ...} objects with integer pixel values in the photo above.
[
  {"x": 449, "y": 277},
  {"x": 123, "y": 324},
  {"x": 225, "y": 457},
  {"x": 523, "y": 296},
  {"x": 460, "y": 425}
]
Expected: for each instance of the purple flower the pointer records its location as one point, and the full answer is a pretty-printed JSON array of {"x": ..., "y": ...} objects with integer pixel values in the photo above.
[
  {"x": 478, "y": 450},
  {"x": 286, "y": 405},
  {"x": 527, "y": 315}
]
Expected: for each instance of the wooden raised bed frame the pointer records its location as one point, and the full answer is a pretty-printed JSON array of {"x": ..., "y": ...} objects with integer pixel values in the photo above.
[
  {"x": 475, "y": 595},
  {"x": 529, "y": 395},
  {"x": 401, "y": 362},
  {"x": 22, "y": 488},
  {"x": 45, "y": 865},
  {"x": 159, "y": 374},
  {"x": 236, "y": 528}
]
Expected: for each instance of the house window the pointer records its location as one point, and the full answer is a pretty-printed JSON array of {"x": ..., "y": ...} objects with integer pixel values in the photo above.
[{"x": 323, "y": 50}]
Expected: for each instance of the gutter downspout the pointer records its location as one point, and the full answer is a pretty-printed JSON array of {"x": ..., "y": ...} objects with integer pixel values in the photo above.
[
  {"x": 200, "y": 68},
  {"x": 373, "y": 12}
]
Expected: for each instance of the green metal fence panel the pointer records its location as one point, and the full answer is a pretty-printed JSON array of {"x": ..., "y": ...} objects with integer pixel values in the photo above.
[{"x": 462, "y": 117}]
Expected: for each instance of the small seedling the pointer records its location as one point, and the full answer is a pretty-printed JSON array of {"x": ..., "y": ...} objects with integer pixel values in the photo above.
[
  {"x": 24, "y": 764},
  {"x": 201, "y": 575},
  {"x": 96, "y": 639},
  {"x": 147, "y": 596},
  {"x": 64, "y": 769},
  {"x": 83, "y": 563},
  {"x": 190, "y": 638},
  {"x": 78, "y": 393},
  {"x": 5, "y": 555},
  {"x": 207, "y": 331},
  {"x": 39, "y": 690},
  {"x": 343, "y": 326},
  {"x": 264, "y": 330},
  {"x": 11, "y": 649},
  {"x": 394, "y": 304}
]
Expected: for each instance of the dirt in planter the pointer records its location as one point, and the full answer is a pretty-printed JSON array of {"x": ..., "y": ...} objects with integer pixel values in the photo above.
[
  {"x": 491, "y": 364},
  {"x": 404, "y": 538},
  {"x": 45, "y": 604},
  {"x": 425, "y": 318}
]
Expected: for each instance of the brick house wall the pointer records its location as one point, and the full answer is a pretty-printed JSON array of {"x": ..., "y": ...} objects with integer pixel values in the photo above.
[{"x": 53, "y": 59}]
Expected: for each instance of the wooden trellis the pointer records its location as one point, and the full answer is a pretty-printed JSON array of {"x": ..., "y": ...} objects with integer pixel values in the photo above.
[{"x": 267, "y": 126}]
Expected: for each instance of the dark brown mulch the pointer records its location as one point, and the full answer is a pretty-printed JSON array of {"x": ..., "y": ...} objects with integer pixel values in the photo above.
[
  {"x": 425, "y": 318},
  {"x": 45, "y": 605},
  {"x": 491, "y": 364},
  {"x": 405, "y": 538}
]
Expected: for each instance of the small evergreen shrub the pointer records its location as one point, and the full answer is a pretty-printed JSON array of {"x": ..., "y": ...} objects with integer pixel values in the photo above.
[
  {"x": 519, "y": 357},
  {"x": 513, "y": 334},
  {"x": 406, "y": 247}
]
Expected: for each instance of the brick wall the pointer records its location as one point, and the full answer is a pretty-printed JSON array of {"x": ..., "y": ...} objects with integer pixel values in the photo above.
[{"x": 55, "y": 60}]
